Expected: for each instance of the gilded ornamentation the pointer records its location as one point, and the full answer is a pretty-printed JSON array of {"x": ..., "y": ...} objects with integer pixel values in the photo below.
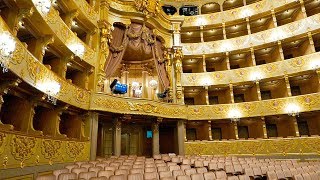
[
  {"x": 74, "y": 149},
  {"x": 282, "y": 147},
  {"x": 2, "y": 142},
  {"x": 50, "y": 149},
  {"x": 36, "y": 72},
  {"x": 148, "y": 108},
  {"x": 148, "y": 7},
  {"x": 23, "y": 148}
]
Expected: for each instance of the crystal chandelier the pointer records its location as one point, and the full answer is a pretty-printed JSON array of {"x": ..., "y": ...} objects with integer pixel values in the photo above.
[
  {"x": 51, "y": 88},
  {"x": 43, "y": 5},
  {"x": 7, "y": 47},
  {"x": 234, "y": 115},
  {"x": 138, "y": 92},
  {"x": 153, "y": 83},
  {"x": 293, "y": 109}
]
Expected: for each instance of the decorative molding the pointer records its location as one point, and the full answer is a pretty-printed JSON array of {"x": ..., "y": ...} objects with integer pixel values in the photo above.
[
  {"x": 285, "y": 146},
  {"x": 273, "y": 35},
  {"x": 289, "y": 67}
]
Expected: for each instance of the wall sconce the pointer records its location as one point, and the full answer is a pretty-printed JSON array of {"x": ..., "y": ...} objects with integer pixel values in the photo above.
[
  {"x": 234, "y": 115},
  {"x": 77, "y": 49},
  {"x": 51, "y": 88},
  {"x": 153, "y": 83},
  {"x": 7, "y": 47},
  {"x": 43, "y": 5},
  {"x": 135, "y": 85},
  {"x": 293, "y": 109}
]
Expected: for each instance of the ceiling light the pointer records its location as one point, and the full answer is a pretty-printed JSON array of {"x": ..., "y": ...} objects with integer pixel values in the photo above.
[
  {"x": 7, "y": 47},
  {"x": 153, "y": 83},
  {"x": 135, "y": 85}
]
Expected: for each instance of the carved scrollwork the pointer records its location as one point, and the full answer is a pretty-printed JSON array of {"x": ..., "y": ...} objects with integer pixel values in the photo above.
[
  {"x": 74, "y": 149},
  {"x": 50, "y": 149},
  {"x": 23, "y": 148}
]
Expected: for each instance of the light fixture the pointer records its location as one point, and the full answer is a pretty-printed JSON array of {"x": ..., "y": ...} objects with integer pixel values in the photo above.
[
  {"x": 138, "y": 92},
  {"x": 234, "y": 115},
  {"x": 256, "y": 76},
  {"x": 77, "y": 49},
  {"x": 51, "y": 88},
  {"x": 293, "y": 109},
  {"x": 43, "y": 5},
  {"x": 135, "y": 85},
  {"x": 7, "y": 47},
  {"x": 246, "y": 13},
  {"x": 153, "y": 83}
]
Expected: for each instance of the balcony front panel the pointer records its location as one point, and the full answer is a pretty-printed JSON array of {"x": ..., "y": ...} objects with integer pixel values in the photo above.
[
  {"x": 290, "y": 30},
  {"x": 264, "y": 147},
  {"x": 265, "y": 71}
]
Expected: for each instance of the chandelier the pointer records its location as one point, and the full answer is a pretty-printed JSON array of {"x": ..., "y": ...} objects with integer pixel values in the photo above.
[
  {"x": 234, "y": 115},
  {"x": 293, "y": 109},
  {"x": 51, "y": 88},
  {"x": 43, "y": 5},
  {"x": 7, "y": 47}
]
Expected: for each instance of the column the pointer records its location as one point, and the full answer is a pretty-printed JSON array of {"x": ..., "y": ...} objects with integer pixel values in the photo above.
[
  {"x": 224, "y": 30},
  {"x": 295, "y": 125},
  {"x": 145, "y": 82},
  {"x": 248, "y": 25},
  {"x": 124, "y": 77},
  {"x": 313, "y": 49},
  {"x": 201, "y": 33},
  {"x": 178, "y": 70},
  {"x": 181, "y": 136},
  {"x": 274, "y": 18},
  {"x": 288, "y": 85},
  {"x": 210, "y": 130},
  {"x": 69, "y": 17},
  {"x": 155, "y": 137},
  {"x": 93, "y": 118},
  {"x": 235, "y": 125},
  {"x": 117, "y": 137},
  {"x": 231, "y": 93},
  {"x": 265, "y": 135},
  {"x": 15, "y": 18}
]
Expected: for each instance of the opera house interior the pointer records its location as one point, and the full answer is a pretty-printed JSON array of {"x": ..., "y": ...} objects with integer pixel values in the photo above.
[{"x": 160, "y": 89}]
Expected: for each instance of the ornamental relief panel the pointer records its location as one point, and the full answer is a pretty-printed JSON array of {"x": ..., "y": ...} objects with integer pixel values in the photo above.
[
  {"x": 19, "y": 151},
  {"x": 284, "y": 147},
  {"x": 275, "y": 69},
  {"x": 296, "y": 28}
]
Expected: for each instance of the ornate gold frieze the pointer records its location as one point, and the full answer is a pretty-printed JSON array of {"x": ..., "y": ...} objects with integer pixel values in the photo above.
[
  {"x": 22, "y": 150},
  {"x": 285, "y": 146},
  {"x": 311, "y": 23},
  {"x": 86, "y": 10},
  {"x": 275, "y": 69}
]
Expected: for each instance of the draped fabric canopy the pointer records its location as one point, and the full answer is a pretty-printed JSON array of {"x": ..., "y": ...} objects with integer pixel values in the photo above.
[{"x": 138, "y": 43}]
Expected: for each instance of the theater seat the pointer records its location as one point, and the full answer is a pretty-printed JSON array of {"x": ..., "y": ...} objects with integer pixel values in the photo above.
[
  {"x": 183, "y": 177},
  {"x": 46, "y": 177},
  {"x": 87, "y": 175},
  {"x": 106, "y": 173},
  {"x": 209, "y": 176},
  {"x": 56, "y": 173},
  {"x": 71, "y": 166},
  {"x": 98, "y": 178},
  {"x": 151, "y": 175},
  {"x": 190, "y": 171},
  {"x": 163, "y": 174},
  {"x": 176, "y": 173},
  {"x": 118, "y": 177},
  {"x": 135, "y": 177},
  {"x": 197, "y": 176},
  {"x": 67, "y": 176}
]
